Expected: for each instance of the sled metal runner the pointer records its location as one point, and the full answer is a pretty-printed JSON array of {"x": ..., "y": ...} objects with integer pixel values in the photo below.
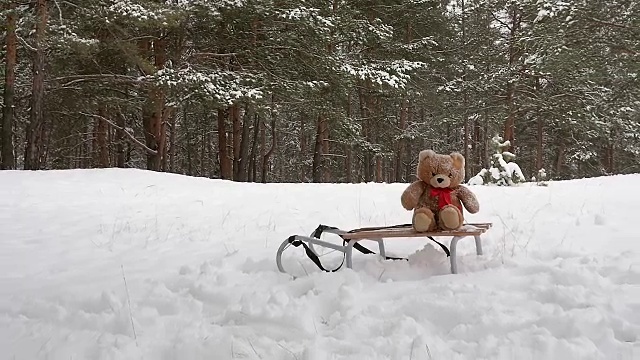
[{"x": 379, "y": 234}]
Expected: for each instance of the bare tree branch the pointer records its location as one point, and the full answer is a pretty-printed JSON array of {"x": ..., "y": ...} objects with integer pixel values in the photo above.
[
  {"x": 74, "y": 79},
  {"x": 131, "y": 137},
  {"x": 214, "y": 54},
  {"x": 25, "y": 43},
  {"x": 602, "y": 22},
  {"x": 500, "y": 21}
]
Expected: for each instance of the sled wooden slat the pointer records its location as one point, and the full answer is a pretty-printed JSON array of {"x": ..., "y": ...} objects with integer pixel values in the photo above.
[{"x": 402, "y": 232}]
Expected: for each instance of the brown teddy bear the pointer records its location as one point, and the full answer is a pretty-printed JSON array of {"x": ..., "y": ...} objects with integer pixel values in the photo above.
[{"x": 437, "y": 197}]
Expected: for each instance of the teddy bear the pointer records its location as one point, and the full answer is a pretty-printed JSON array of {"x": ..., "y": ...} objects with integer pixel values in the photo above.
[{"x": 437, "y": 197}]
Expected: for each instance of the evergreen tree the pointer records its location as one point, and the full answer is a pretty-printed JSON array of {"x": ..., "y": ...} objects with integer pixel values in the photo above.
[
  {"x": 504, "y": 171},
  {"x": 320, "y": 91}
]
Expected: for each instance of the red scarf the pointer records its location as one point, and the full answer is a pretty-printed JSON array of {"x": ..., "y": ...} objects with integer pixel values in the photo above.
[{"x": 443, "y": 195}]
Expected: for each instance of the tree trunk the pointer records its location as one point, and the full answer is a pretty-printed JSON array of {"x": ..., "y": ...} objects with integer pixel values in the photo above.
[
  {"x": 409, "y": 169},
  {"x": 77, "y": 159},
  {"x": 303, "y": 150},
  {"x": 465, "y": 98},
  {"x": 263, "y": 146},
  {"x": 168, "y": 115},
  {"x": 173, "y": 134},
  {"x": 378, "y": 168},
  {"x": 254, "y": 149},
  {"x": 244, "y": 144},
  {"x": 539, "y": 132},
  {"x": 326, "y": 169},
  {"x": 509, "y": 125},
  {"x": 188, "y": 136},
  {"x": 466, "y": 144},
  {"x": 610, "y": 163},
  {"x": 203, "y": 151},
  {"x": 514, "y": 53},
  {"x": 234, "y": 112},
  {"x": 378, "y": 157},
  {"x": 6, "y": 139},
  {"x": 265, "y": 159},
  {"x": 348, "y": 162},
  {"x": 485, "y": 143},
  {"x": 560, "y": 160},
  {"x": 539, "y": 145},
  {"x": 154, "y": 109},
  {"x": 316, "y": 170},
  {"x": 120, "y": 142},
  {"x": 477, "y": 147},
  {"x": 47, "y": 128},
  {"x": 100, "y": 132},
  {"x": 160, "y": 110},
  {"x": 365, "y": 107},
  {"x": 152, "y": 119},
  {"x": 35, "y": 127},
  {"x": 401, "y": 143},
  {"x": 223, "y": 155},
  {"x": 86, "y": 148},
  {"x": 347, "y": 147}
]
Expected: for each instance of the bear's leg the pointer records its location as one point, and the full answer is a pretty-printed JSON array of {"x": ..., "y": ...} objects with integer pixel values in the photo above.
[
  {"x": 423, "y": 220},
  {"x": 450, "y": 217}
]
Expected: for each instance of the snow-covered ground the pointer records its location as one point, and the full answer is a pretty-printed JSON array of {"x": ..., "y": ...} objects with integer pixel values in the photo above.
[{"x": 128, "y": 264}]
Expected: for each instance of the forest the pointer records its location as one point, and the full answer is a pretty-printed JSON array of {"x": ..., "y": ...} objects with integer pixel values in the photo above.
[{"x": 320, "y": 91}]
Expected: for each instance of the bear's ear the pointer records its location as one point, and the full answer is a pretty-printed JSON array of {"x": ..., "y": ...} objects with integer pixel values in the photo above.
[
  {"x": 425, "y": 154},
  {"x": 458, "y": 160}
]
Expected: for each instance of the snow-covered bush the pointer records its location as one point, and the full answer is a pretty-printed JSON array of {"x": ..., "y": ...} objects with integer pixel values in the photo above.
[
  {"x": 540, "y": 180},
  {"x": 503, "y": 170}
]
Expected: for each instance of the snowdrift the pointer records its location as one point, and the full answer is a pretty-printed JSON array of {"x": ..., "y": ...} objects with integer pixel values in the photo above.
[{"x": 123, "y": 264}]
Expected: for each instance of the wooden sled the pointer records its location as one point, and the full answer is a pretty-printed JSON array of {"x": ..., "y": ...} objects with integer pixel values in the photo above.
[{"x": 379, "y": 234}]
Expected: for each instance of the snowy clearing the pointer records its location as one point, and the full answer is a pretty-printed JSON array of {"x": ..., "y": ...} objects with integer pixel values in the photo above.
[{"x": 560, "y": 278}]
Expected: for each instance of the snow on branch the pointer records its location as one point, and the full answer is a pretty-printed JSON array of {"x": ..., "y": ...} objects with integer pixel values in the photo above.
[
  {"x": 310, "y": 15},
  {"x": 226, "y": 87},
  {"x": 127, "y": 8},
  {"x": 158, "y": 13},
  {"x": 394, "y": 73}
]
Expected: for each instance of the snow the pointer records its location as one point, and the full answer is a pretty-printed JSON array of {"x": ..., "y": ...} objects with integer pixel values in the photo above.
[
  {"x": 478, "y": 179},
  {"x": 542, "y": 13},
  {"x": 514, "y": 171},
  {"x": 560, "y": 278}
]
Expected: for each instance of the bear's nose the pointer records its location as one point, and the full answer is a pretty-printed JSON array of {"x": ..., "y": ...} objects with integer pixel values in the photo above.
[{"x": 440, "y": 180}]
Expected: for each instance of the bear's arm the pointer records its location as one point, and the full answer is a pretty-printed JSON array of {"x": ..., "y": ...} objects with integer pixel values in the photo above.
[
  {"x": 412, "y": 194},
  {"x": 468, "y": 199}
]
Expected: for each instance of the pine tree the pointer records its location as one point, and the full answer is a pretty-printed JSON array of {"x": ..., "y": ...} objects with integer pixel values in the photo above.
[
  {"x": 504, "y": 171},
  {"x": 323, "y": 91}
]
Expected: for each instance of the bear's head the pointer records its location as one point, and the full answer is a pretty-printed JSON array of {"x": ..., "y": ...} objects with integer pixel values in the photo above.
[{"x": 441, "y": 171}]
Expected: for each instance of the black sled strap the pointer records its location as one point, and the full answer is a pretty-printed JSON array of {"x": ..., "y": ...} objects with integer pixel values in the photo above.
[
  {"x": 310, "y": 254},
  {"x": 443, "y": 246}
]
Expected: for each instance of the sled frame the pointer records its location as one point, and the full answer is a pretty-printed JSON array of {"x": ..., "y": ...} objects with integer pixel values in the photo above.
[{"x": 378, "y": 235}]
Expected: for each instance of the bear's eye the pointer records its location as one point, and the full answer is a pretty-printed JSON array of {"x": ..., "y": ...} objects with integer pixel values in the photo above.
[
  {"x": 433, "y": 174},
  {"x": 450, "y": 175}
]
